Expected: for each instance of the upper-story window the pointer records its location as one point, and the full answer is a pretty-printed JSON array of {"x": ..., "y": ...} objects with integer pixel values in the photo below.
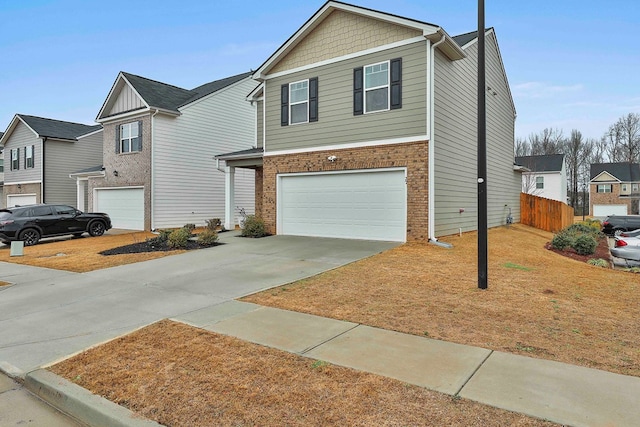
[
  {"x": 15, "y": 159},
  {"x": 377, "y": 87},
  {"x": 1, "y": 165},
  {"x": 540, "y": 182},
  {"x": 129, "y": 137},
  {"x": 299, "y": 102},
  {"x": 634, "y": 188},
  {"x": 604, "y": 188},
  {"x": 624, "y": 188},
  {"x": 28, "y": 157}
]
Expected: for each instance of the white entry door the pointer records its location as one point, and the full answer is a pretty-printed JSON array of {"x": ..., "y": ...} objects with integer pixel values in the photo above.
[
  {"x": 366, "y": 204},
  {"x": 125, "y": 206}
]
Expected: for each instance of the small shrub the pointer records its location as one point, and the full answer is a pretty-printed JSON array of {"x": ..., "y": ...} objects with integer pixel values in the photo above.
[
  {"x": 254, "y": 227},
  {"x": 208, "y": 237},
  {"x": 585, "y": 244},
  {"x": 178, "y": 238},
  {"x": 160, "y": 239},
  {"x": 561, "y": 241},
  {"x": 599, "y": 262},
  {"x": 189, "y": 227},
  {"x": 582, "y": 228},
  {"x": 213, "y": 224}
]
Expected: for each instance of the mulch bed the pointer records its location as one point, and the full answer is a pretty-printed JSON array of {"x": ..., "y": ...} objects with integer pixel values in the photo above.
[
  {"x": 602, "y": 251},
  {"x": 141, "y": 247}
]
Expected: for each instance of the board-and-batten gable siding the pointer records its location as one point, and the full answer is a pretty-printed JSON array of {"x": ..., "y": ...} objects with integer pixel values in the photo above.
[
  {"x": 64, "y": 158},
  {"x": 187, "y": 186},
  {"x": 456, "y": 144},
  {"x": 20, "y": 138},
  {"x": 336, "y": 123},
  {"x": 127, "y": 100}
]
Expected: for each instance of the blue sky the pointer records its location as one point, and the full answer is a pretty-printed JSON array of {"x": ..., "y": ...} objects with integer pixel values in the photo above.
[{"x": 571, "y": 64}]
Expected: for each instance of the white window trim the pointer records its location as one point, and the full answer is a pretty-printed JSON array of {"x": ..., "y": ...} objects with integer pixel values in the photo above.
[
  {"x": 365, "y": 89},
  {"x": 539, "y": 181},
  {"x": 16, "y": 154},
  {"x": 291, "y": 104},
  {"x": 130, "y": 125},
  {"x": 604, "y": 187},
  {"x": 27, "y": 157}
]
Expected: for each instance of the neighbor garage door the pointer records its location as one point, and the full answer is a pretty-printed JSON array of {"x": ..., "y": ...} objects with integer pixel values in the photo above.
[
  {"x": 125, "y": 206},
  {"x": 606, "y": 210},
  {"x": 20, "y": 199},
  {"x": 367, "y": 205}
]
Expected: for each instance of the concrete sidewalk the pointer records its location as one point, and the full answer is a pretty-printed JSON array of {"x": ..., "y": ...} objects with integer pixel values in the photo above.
[{"x": 558, "y": 392}]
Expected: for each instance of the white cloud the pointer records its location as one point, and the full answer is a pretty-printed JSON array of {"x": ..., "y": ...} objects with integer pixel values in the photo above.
[{"x": 534, "y": 90}]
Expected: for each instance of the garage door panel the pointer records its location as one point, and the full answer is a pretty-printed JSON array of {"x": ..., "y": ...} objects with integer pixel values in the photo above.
[
  {"x": 125, "y": 207},
  {"x": 606, "y": 210},
  {"x": 20, "y": 199},
  {"x": 361, "y": 205}
]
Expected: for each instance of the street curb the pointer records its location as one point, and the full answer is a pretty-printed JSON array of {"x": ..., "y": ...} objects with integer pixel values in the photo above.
[{"x": 80, "y": 403}]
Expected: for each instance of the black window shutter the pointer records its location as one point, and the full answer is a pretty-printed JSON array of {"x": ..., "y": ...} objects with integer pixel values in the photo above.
[
  {"x": 313, "y": 99},
  {"x": 33, "y": 156},
  {"x": 396, "y": 83},
  {"x": 140, "y": 135},
  {"x": 25, "y": 157},
  {"x": 18, "y": 158},
  {"x": 358, "y": 95},
  {"x": 117, "y": 139},
  {"x": 284, "y": 105}
]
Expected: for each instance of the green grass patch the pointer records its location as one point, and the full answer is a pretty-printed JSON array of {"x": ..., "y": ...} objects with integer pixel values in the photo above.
[{"x": 517, "y": 266}]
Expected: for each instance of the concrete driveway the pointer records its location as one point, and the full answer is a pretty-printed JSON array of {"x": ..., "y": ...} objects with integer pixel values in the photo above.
[{"x": 48, "y": 315}]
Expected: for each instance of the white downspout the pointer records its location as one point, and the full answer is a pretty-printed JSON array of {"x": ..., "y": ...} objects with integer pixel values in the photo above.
[
  {"x": 431, "y": 59},
  {"x": 153, "y": 170}
]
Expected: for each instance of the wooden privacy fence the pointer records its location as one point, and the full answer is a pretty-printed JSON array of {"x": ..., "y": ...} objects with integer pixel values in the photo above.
[{"x": 545, "y": 214}]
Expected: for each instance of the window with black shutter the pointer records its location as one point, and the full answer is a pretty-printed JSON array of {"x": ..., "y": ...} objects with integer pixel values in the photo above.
[{"x": 377, "y": 87}]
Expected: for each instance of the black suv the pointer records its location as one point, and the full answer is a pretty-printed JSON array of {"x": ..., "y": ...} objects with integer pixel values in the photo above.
[
  {"x": 30, "y": 223},
  {"x": 615, "y": 224}
]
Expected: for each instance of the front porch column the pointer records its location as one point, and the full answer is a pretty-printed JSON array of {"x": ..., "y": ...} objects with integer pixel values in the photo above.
[
  {"x": 229, "y": 198},
  {"x": 80, "y": 192}
]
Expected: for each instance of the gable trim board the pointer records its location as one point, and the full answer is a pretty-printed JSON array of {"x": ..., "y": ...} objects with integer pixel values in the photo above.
[
  {"x": 608, "y": 177},
  {"x": 344, "y": 146}
]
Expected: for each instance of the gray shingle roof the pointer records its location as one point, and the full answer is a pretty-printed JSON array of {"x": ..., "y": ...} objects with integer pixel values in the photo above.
[
  {"x": 58, "y": 129},
  {"x": 168, "y": 97},
  {"x": 465, "y": 38},
  {"x": 625, "y": 172},
  {"x": 544, "y": 163}
]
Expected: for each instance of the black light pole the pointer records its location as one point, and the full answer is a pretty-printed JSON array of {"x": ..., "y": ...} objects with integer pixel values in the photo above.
[{"x": 482, "y": 155}]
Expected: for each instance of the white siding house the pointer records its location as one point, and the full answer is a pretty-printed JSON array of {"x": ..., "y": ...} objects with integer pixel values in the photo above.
[{"x": 546, "y": 176}]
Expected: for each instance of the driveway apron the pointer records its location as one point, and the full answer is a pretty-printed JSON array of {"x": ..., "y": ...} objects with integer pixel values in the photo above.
[{"x": 47, "y": 315}]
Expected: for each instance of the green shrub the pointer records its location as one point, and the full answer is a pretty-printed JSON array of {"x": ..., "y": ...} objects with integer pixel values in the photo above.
[
  {"x": 562, "y": 240},
  {"x": 213, "y": 224},
  {"x": 160, "y": 239},
  {"x": 581, "y": 228},
  {"x": 189, "y": 227},
  {"x": 178, "y": 238},
  {"x": 585, "y": 244},
  {"x": 599, "y": 262},
  {"x": 208, "y": 237},
  {"x": 254, "y": 227}
]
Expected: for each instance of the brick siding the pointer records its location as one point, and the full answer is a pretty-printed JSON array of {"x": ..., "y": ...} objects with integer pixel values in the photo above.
[{"x": 413, "y": 156}]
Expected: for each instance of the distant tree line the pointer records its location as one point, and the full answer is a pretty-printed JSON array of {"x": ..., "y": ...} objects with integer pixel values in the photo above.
[{"x": 620, "y": 143}]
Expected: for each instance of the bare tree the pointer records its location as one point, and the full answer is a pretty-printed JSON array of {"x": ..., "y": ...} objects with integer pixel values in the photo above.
[
  {"x": 623, "y": 139},
  {"x": 549, "y": 141},
  {"x": 577, "y": 152},
  {"x": 522, "y": 147}
]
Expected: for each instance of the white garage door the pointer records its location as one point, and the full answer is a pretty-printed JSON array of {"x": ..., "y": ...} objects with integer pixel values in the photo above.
[
  {"x": 125, "y": 206},
  {"x": 606, "y": 210},
  {"x": 20, "y": 199},
  {"x": 369, "y": 205}
]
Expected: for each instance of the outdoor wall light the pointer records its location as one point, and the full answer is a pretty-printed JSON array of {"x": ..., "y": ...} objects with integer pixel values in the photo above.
[
  {"x": 115, "y": 173},
  {"x": 332, "y": 158}
]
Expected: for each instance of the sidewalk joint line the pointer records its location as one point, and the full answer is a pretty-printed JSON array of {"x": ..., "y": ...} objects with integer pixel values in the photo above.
[
  {"x": 473, "y": 373},
  {"x": 308, "y": 349}
]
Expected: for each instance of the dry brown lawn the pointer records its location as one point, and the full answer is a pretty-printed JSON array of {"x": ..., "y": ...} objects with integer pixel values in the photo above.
[
  {"x": 183, "y": 376},
  {"x": 82, "y": 254},
  {"x": 538, "y": 304}
]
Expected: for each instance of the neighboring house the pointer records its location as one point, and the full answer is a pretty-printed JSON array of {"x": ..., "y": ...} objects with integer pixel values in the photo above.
[
  {"x": 546, "y": 176},
  {"x": 614, "y": 189},
  {"x": 40, "y": 154},
  {"x": 367, "y": 129},
  {"x": 1, "y": 170},
  {"x": 159, "y": 143}
]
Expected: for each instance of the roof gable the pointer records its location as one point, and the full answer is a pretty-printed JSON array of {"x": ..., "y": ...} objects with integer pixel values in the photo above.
[
  {"x": 50, "y": 128},
  {"x": 132, "y": 93},
  {"x": 362, "y": 16},
  {"x": 544, "y": 163},
  {"x": 624, "y": 172}
]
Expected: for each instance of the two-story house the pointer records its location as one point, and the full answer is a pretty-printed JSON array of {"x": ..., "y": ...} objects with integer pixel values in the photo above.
[
  {"x": 1, "y": 170},
  {"x": 367, "y": 129},
  {"x": 157, "y": 167},
  {"x": 546, "y": 176},
  {"x": 40, "y": 154},
  {"x": 614, "y": 189}
]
